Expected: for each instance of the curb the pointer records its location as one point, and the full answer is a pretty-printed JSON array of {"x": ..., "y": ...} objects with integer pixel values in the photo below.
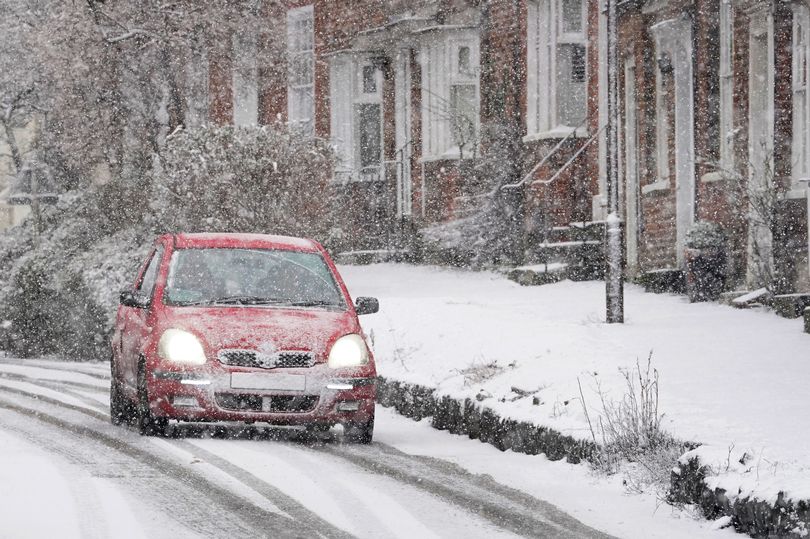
[{"x": 757, "y": 518}]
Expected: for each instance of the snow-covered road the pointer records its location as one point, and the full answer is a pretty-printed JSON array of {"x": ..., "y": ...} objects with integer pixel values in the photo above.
[{"x": 67, "y": 472}]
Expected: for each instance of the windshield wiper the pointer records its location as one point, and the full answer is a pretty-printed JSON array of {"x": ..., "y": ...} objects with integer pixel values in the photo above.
[
  {"x": 245, "y": 300},
  {"x": 314, "y": 303}
]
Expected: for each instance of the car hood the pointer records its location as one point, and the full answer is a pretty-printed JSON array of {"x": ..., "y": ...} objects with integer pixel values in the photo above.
[{"x": 264, "y": 329}]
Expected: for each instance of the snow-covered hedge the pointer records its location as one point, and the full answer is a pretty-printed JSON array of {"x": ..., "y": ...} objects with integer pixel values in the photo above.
[{"x": 59, "y": 292}]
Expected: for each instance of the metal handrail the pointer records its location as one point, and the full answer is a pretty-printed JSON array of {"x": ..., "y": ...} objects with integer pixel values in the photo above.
[
  {"x": 573, "y": 158},
  {"x": 545, "y": 159}
]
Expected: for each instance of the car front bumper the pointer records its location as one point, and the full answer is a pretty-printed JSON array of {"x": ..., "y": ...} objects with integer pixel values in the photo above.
[{"x": 321, "y": 395}]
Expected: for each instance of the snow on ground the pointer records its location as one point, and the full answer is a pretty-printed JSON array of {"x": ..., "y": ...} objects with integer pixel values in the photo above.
[
  {"x": 597, "y": 501},
  {"x": 729, "y": 378}
]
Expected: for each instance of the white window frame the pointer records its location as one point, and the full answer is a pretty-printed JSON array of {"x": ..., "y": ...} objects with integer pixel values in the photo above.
[
  {"x": 726, "y": 87},
  {"x": 544, "y": 36},
  {"x": 198, "y": 86},
  {"x": 801, "y": 100},
  {"x": 346, "y": 92},
  {"x": 440, "y": 73},
  {"x": 300, "y": 117},
  {"x": 662, "y": 125},
  {"x": 245, "y": 78}
]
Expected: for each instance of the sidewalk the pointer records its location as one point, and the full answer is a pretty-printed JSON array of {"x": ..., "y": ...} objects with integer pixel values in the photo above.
[{"x": 736, "y": 381}]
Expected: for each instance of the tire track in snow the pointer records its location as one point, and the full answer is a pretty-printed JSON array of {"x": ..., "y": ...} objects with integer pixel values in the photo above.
[
  {"x": 246, "y": 518},
  {"x": 505, "y": 507},
  {"x": 284, "y": 502}
]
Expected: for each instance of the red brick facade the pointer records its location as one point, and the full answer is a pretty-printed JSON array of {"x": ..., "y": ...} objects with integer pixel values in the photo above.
[{"x": 670, "y": 159}]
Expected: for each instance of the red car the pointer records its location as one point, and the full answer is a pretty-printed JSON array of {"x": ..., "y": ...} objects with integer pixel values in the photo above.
[{"x": 242, "y": 327}]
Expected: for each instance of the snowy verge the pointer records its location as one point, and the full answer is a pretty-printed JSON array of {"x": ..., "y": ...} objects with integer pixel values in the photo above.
[{"x": 449, "y": 340}]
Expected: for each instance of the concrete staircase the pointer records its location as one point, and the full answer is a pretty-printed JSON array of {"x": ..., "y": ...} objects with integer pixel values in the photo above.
[{"x": 575, "y": 251}]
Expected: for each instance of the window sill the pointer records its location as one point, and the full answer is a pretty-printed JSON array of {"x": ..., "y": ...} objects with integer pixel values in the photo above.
[
  {"x": 796, "y": 192},
  {"x": 660, "y": 185},
  {"x": 450, "y": 155},
  {"x": 713, "y": 177},
  {"x": 557, "y": 133}
]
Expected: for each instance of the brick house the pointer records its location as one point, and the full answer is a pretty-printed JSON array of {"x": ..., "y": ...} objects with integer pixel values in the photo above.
[
  {"x": 716, "y": 128},
  {"x": 414, "y": 95}
]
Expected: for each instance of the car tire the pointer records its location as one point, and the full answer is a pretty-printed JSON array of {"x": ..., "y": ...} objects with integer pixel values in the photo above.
[
  {"x": 359, "y": 433},
  {"x": 148, "y": 424},
  {"x": 120, "y": 409}
]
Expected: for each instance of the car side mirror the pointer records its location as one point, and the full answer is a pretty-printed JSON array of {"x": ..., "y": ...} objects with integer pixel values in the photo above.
[
  {"x": 365, "y": 305},
  {"x": 130, "y": 298}
]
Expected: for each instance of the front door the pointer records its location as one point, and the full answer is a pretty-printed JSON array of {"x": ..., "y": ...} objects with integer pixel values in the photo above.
[
  {"x": 760, "y": 121},
  {"x": 674, "y": 54}
]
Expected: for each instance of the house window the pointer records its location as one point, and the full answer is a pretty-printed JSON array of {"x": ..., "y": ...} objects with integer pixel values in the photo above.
[
  {"x": 300, "y": 69},
  {"x": 356, "y": 117},
  {"x": 801, "y": 106},
  {"x": 245, "y": 79},
  {"x": 557, "y": 65},
  {"x": 726, "y": 86},
  {"x": 198, "y": 93},
  {"x": 664, "y": 115},
  {"x": 450, "y": 94}
]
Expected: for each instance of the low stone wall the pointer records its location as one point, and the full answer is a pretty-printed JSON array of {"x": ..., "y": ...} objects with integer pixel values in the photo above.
[
  {"x": 478, "y": 422},
  {"x": 784, "y": 518}
]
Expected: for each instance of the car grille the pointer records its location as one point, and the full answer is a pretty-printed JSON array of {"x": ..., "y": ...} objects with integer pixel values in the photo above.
[
  {"x": 251, "y": 358},
  {"x": 275, "y": 403}
]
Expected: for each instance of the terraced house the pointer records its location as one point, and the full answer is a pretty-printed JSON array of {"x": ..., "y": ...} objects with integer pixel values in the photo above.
[{"x": 419, "y": 97}]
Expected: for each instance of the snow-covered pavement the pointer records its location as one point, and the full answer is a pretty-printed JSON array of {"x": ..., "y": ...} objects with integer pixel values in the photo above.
[
  {"x": 66, "y": 471},
  {"x": 728, "y": 378}
]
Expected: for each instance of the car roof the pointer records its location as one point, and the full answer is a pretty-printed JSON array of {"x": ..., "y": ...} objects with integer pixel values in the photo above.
[{"x": 243, "y": 241}]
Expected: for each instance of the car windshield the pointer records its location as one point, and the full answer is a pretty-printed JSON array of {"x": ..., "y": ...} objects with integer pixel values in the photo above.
[{"x": 250, "y": 277}]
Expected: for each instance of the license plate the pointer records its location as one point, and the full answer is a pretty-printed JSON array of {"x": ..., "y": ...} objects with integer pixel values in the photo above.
[{"x": 270, "y": 382}]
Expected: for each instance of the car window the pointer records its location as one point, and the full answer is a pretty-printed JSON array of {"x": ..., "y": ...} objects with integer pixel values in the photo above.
[
  {"x": 251, "y": 276},
  {"x": 147, "y": 284}
]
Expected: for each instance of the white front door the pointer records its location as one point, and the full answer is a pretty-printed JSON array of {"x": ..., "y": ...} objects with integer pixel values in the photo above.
[
  {"x": 631, "y": 165},
  {"x": 674, "y": 47},
  {"x": 760, "y": 150}
]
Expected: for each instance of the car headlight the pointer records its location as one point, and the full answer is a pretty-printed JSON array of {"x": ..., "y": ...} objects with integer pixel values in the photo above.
[
  {"x": 181, "y": 347},
  {"x": 348, "y": 351}
]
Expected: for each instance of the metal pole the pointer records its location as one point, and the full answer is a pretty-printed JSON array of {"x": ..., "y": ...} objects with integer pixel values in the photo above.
[{"x": 614, "y": 270}]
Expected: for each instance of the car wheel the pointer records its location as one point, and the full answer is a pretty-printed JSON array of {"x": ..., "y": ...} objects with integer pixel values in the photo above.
[
  {"x": 119, "y": 407},
  {"x": 359, "y": 433},
  {"x": 148, "y": 424}
]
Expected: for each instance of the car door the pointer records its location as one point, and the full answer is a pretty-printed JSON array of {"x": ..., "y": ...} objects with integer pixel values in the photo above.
[{"x": 136, "y": 329}]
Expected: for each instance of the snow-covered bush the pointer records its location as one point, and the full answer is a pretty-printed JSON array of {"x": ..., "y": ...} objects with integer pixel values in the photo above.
[
  {"x": 47, "y": 317},
  {"x": 706, "y": 235},
  {"x": 59, "y": 292},
  {"x": 264, "y": 179}
]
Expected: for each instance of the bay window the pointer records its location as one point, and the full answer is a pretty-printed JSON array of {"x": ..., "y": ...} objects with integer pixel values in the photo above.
[
  {"x": 801, "y": 106},
  {"x": 300, "y": 69},
  {"x": 557, "y": 74},
  {"x": 726, "y": 86}
]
